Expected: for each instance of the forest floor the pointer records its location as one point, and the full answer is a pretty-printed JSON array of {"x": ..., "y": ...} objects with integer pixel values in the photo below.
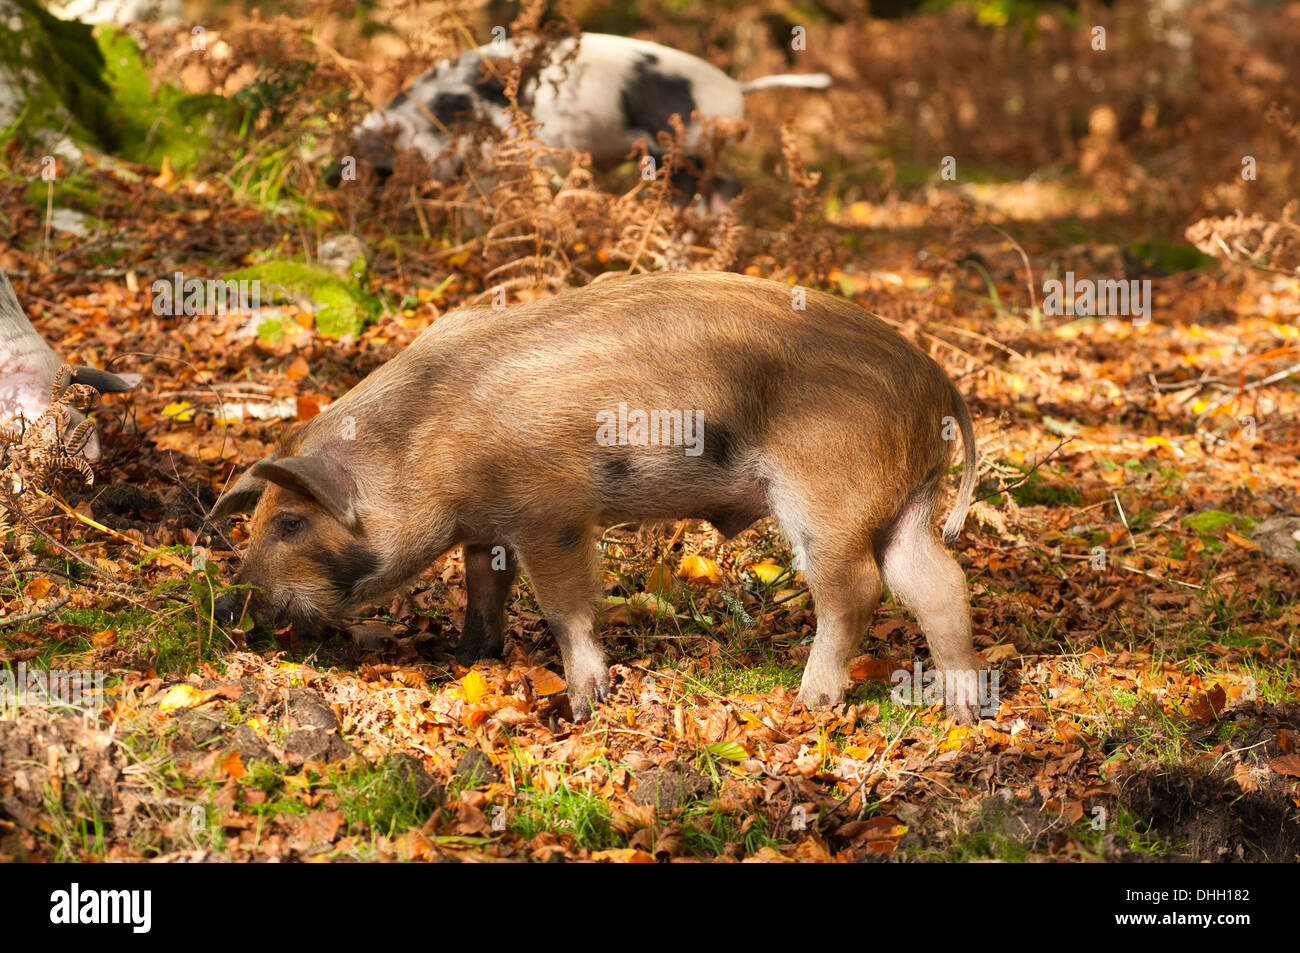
[{"x": 1142, "y": 632}]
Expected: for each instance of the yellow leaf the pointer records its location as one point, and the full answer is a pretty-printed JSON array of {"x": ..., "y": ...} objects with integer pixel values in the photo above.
[
  {"x": 166, "y": 178},
  {"x": 259, "y": 724},
  {"x": 299, "y": 781},
  {"x": 695, "y": 568},
  {"x": 474, "y": 688},
  {"x": 181, "y": 412},
  {"x": 956, "y": 738},
  {"x": 458, "y": 259},
  {"x": 1161, "y": 442},
  {"x": 793, "y": 598},
  {"x": 184, "y": 696},
  {"x": 648, "y": 601},
  {"x": 767, "y": 573},
  {"x": 623, "y": 855}
]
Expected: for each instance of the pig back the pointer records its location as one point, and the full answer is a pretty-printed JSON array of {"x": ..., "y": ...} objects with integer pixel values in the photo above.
[{"x": 512, "y": 401}]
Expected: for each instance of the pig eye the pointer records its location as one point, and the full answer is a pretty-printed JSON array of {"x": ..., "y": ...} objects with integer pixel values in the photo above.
[{"x": 289, "y": 525}]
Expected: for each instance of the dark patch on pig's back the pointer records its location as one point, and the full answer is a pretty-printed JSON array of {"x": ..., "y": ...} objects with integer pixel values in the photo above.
[
  {"x": 450, "y": 108},
  {"x": 720, "y": 445},
  {"x": 651, "y": 97},
  {"x": 486, "y": 83},
  {"x": 345, "y": 568},
  {"x": 570, "y": 536},
  {"x": 615, "y": 469}
]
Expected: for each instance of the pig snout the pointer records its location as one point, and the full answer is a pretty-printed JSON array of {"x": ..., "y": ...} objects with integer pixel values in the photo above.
[
  {"x": 308, "y": 562},
  {"x": 275, "y": 610},
  {"x": 369, "y": 149},
  {"x": 228, "y": 607}
]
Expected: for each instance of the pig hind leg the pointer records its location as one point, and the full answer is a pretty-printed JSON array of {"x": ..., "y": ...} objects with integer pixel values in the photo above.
[
  {"x": 845, "y": 591},
  {"x": 845, "y": 583},
  {"x": 489, "y": 575},
  {"x": 925, "y": 577},
  {"x": 565, "y": 574}
]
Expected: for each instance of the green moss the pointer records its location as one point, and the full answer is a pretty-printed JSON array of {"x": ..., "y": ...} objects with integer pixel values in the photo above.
[
  {"x": 1038, "y": 491},
  {"x": 750, "y": 679},
  {"x": 344, "y": 308},
  {"x": 170, "y": 639},
  {"x": 358, "y": 268},
  {"x": 58, "y": 71},
  {"x": 1164, "y": 257},
  {"x": 1211, "y": 521},
  {"x": 271, "y": 330},
  {"x": 74, "y": 192},
  {"x": 165, "y": 122}
]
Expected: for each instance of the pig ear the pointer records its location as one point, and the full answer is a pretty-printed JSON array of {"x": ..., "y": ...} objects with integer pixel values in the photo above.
[
  {"x": 105, "y": 382},
  {"x": 240, "y": 497},
  {"x": 320, "y": 477}
]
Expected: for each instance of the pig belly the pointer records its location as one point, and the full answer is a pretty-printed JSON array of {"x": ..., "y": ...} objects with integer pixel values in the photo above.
[{"x": 729, "y": 509}]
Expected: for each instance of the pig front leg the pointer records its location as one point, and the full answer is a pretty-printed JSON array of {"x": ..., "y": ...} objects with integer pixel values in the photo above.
[
  {"x": 490, "y": 573},
  {"x": 564, "y": 573}
]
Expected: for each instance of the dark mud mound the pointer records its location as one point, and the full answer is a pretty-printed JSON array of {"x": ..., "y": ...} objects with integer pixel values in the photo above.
[{"x": 1207, "y": 816}]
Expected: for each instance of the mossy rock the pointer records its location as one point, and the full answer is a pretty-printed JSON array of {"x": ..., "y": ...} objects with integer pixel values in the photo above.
[
  {"x": 51, "y": 78},
  {"x": 58, "y": 75},
  {"x": 1210, "y": 522},
  {"x": 162, "y": 123},
  {"x": 1165, "y": 258},
  {"x": 343, "y": 308},
  {"x": 75, "y": 191}
]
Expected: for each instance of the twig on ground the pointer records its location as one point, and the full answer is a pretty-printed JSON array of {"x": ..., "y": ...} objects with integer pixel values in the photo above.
[
  {"x": 1277, "y": 505},
  {"x": 37, "y": 614},
  {"x": 1253, "y": 385},
  {"x": 1151, "y": 575},
  {"x": 1123, "y": 518},
  {"x": 867, "y": 775},
  {"x": 1030, "y": 472}
]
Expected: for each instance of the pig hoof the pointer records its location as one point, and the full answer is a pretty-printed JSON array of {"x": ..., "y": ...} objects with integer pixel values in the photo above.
[
  {"x": 817, "y": 698},
  {"x": 227, "y": 607},
  {"x": 596, "y": 689},
  {"x": 965, "y": 714},
  {"x": 581, "y": 709},
  {"x": 466, "y": 658}
]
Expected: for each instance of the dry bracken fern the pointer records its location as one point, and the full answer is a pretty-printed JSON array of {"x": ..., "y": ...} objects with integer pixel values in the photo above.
[
  {"x": 1251, "y": 239},
  {"x": 36, "y": 454}
]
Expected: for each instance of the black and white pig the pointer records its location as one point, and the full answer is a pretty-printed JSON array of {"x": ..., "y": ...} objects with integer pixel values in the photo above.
[{"x": 602, "y": 99}]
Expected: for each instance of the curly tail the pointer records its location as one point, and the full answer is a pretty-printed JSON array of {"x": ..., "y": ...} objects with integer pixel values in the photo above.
[{"x": 957, "y": 518}]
